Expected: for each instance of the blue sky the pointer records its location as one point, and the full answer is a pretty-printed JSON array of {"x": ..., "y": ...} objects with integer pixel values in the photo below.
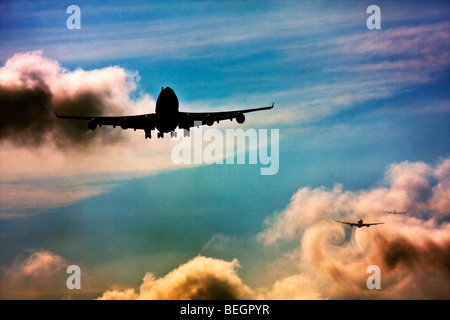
[{"x": 350, "y": 103}]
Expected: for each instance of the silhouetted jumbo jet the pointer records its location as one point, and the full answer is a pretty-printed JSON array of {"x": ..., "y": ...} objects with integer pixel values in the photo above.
[
  {"x": 166, "y": 118},
  {"x": 360, "y": 223}
]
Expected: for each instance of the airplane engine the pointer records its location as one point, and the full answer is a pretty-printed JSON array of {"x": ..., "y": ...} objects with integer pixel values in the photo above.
[
  {"x": 92, "y": 125},
  {"x": 240, "y": 118}
]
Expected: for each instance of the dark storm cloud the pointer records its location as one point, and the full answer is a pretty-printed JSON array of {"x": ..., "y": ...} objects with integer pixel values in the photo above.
[
  {"x": 28, "y": 118},
  {"x": 25, "y": 115},
  {"x": 33, "y": 87},
  {"x": 401, "y": 252},
  {"x": 69, "y": 132}
]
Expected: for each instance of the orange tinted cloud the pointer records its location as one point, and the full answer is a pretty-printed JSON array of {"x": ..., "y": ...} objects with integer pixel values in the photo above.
[
  {"x": 201, "y": 278},
  {"x": 412, "y": 251},
  {"x": 41, "y": 275}
]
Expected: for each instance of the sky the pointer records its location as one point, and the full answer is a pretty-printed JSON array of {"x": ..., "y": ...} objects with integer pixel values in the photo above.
[{"x": 362, "y": 117}]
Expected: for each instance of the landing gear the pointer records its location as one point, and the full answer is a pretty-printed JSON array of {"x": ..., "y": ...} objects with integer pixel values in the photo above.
[
  {"x": 186, "y": 133},
  {"x": 173, "y": 134},
  {"x": 148, "y": 133},
  {"x": 160, "y": 135}
]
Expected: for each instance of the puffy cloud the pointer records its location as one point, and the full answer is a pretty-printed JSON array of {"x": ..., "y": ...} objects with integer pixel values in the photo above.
[
  {"x": 295, "y": 287},
  {"x": 33, "y": 87},
  {"x": 199, "y": 279},
  {"x": 413, "y": 258},
  {"x": 412, "y": 251},
  {"x": 314, "y": 205},
  {"x": 41, "y": 275},
  {"x": 415, "y": 187}
]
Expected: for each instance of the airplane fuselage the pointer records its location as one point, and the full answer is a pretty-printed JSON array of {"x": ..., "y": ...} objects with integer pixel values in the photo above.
[{"x": 167, "y": 108}]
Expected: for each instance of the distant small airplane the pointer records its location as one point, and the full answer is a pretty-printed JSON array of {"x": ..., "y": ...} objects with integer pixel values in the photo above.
[
  {"x": 396, "y": 212},
  {"x": 166, "y": 118},
  {"x": 360, "y": 223}
]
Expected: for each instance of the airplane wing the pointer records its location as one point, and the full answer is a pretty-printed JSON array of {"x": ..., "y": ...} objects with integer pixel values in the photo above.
[
  {"x": 371, "y": 224},
  {"x": 145, "y": 121},
  {"x": 349, "y": 223},
  {"x": 189, "y": 119}
]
